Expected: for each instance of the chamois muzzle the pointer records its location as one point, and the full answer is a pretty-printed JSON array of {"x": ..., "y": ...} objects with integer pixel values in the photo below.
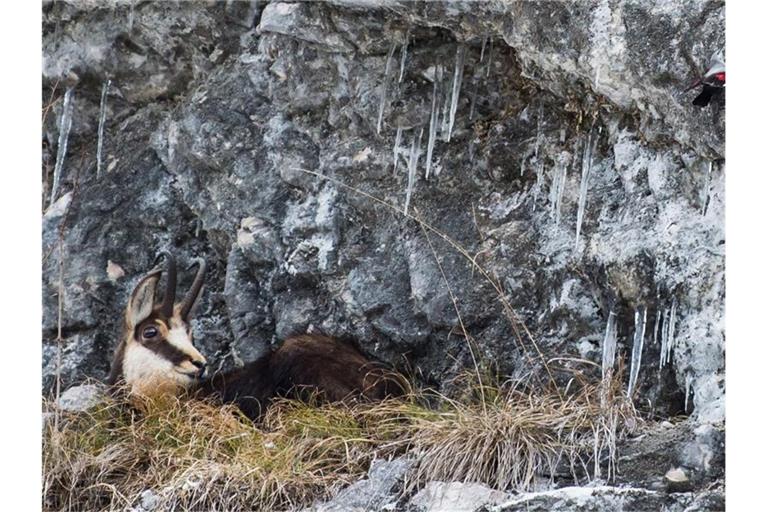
[
  {"x": 194, "y": 290},
  {"x": 203, "y": 369},
  {"x": 170, "y": 284}
]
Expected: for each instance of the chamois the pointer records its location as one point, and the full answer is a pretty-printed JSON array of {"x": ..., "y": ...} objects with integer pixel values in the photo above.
[{"x": 156, "y": 356}]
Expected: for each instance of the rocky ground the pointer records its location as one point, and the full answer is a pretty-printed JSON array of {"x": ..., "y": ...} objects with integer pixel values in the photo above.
[{"x": 552, "y": 142}]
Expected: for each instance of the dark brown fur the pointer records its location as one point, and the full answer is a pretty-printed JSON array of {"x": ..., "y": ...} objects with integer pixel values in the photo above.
[{"x": 301, "y": 366}]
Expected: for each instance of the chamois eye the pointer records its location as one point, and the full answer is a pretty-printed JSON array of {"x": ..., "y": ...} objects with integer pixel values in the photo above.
[{"x": 149, "y": 332}]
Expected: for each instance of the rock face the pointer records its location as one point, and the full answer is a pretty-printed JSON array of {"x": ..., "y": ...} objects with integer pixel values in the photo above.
[
  {"x": 80, "y": 398},
  {"x": 377, "y": 492},
  {"x": 550, "y": 143}
]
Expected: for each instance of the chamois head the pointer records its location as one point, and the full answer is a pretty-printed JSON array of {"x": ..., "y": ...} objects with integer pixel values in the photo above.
[{"x": 156, "y": 354}]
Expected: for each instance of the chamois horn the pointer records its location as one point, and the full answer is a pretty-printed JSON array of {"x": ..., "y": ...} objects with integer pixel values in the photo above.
[
  {"x": 194, "y": 290},
  {"x": 170, "y": 284}
]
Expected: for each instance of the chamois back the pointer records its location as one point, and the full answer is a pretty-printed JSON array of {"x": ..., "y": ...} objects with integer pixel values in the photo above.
[{"x": 304, "y": 366}]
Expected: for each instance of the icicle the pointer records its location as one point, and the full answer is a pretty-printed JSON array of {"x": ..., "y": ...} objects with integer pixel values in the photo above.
[
  {"x": 404, "y": 55},
  {"x": 412, "y": 163},
  {"x": 64, "y": 126},
  {"x": 667, "y": 335},
  {"x": 656, "y": 327},
  {"x": 609, "y": 359},
  {"x": 539, "y": 131},
  {"x": 671, "y": 334},
  {"x": 664, "y": 339},
  {"x": 396, "y": 151},
  {"x": 445, "y": 114},
  {"x": 433, "y": 117},
  {"x": 609, "y": 346},
  {"x": 637, "y": 348},
  {"x": 539, "y": 182},
  {"x": 586, "y": 168},
  {"x": 556, "y": 190},
  {"x": 130, "y": 16},
  {"x": 253, "y": 9},
  {"x": 707, "y": 184},
  {"x": 490, "y": 59},
  {"x": 539, "y": 161},
  {"x": 102, "y": 119},
  {"x": 482, "y": 47},
  {"x": 458, "y": 75},
  {"x": 688, "y": 382},
  {"x": 385, "y": 86}
]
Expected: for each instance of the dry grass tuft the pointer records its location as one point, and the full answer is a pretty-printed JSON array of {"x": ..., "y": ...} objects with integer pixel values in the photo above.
[
  {"x": 196, "y": 455},
  {"x": 518, "y": 435},
  {"x": 200, "y": 456}
]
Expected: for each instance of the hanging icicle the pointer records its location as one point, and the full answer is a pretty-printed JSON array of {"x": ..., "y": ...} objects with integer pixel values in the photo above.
[
  {"x": 102, "y": 122},
  {"x": 396, "y": 150},
  {"x": 609, "y": 347},
  {"x": 65, "y": 124},
  {"x": 490, "y": 58},
  {"x": 412, "y": 164},
  {"x": 404, "y": 55},
  {"x": 706, "y": 194},
  {"x": 458, "y": 76},
  {"x": 586, "y": 169},
  {"x": 559, "y": 178},
  {"x": 385, "y": 86},
  {"x": 434, "y": 116},
  {"x": 637, "y": 348}
]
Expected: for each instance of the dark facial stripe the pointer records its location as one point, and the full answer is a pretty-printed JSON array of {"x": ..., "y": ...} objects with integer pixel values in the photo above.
[
  {"x": 167, "y": 351},
  {"x": 159, "y": 345}
]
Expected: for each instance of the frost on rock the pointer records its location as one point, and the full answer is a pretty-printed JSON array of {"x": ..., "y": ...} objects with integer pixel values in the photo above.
[
  {"x": 65, "y": 125},
  {"x": 637, "y": 348},
  {"x": 102, "y": 120},
  {"x": 413, "y": 161},
  {"x": 385, "y": 85}
]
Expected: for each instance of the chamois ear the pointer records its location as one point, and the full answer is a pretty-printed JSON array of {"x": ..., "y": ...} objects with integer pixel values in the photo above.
[{"x": 142, "y": 299}]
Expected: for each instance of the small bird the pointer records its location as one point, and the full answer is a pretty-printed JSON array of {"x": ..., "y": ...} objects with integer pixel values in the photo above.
[{"x": 713, "y": 82}]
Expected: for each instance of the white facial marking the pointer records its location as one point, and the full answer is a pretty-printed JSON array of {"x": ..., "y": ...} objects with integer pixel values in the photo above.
[
  {"x": 147, "y": 373},
  {"x": 178, "y": 337}
]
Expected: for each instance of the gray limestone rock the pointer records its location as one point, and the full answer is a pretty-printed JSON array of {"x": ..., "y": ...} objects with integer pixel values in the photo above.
[{"x": 249, "y": 134}]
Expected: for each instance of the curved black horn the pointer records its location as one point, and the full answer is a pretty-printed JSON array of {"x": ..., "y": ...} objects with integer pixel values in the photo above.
[
  {"x": 194, "y": 290},
  {"x": 170, "y": 283}
]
